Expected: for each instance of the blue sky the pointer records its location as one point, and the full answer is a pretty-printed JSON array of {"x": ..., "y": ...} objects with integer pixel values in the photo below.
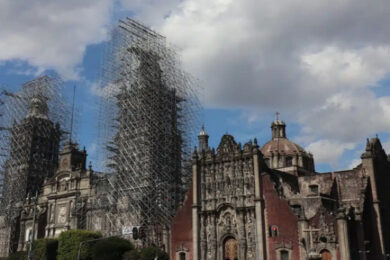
[{"x": 324, "y": 69}]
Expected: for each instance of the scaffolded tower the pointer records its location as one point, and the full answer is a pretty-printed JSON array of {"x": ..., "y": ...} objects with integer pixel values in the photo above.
[
  {"x": 29, "y": 142},
  {"x": 150, "y": 107}
]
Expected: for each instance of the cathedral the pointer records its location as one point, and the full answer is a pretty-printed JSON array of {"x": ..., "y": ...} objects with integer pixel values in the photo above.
[
  {"x": 47, "y": 191},
  {"x": 245, "y": 202},
  {"x": 251, "y": 202}
]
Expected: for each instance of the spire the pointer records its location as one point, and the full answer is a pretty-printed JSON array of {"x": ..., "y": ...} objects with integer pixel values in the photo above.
[
  {"x": 203, "y": 139},
  {"x": 203, "y": 131}
]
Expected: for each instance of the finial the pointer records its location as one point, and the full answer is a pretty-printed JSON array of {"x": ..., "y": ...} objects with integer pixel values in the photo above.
[
  {"x": 203, "y": 131},
  {"x": 277, "y": 116},
  {"x": 90, "y": 166},
  {"x": 255, "y": 141}
]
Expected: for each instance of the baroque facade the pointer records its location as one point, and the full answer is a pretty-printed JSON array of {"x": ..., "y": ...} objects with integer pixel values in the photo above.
[
  {"x": 251, "y": 202},
  {"x": 55, "y": 187}
]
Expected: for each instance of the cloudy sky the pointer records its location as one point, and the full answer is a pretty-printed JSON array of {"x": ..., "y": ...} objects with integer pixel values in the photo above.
[{"x": 324, "y": 65}]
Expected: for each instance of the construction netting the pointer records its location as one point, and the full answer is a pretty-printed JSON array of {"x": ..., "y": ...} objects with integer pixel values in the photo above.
[
  {"x": 33, "y": 122},
  {"x": 148, "y": 121}
]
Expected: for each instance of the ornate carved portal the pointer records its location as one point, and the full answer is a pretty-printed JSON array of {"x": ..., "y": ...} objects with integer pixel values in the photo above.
[{"x": 230, "y": 249}]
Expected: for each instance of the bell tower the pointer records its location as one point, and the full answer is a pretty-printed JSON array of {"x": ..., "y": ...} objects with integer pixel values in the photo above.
[{"x": 33, "y": 153}]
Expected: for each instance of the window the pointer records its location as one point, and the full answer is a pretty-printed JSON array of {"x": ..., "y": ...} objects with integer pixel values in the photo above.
[
  {"x": 314, "y": 189},
  {"x": 297, "y": 209},
  {"x": 284, "y": 255},
  {"x": 182, "y": 256},
  {"x": 274, "y": 231},
  {"x": 266, "y": 160},
  {"x": 289, "y": 161}
]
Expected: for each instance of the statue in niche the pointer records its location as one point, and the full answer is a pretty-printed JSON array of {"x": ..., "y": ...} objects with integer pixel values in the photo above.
[
  {"x": 97, "y": 224},
  {"x": 209, "y": 232},
  {"x": 51, "y": 214},
  {"x": 218, "y": 195},
  {"x": 209, "y": 253},
  {"x": 228, "y": 220},
  {"x": 62, "y": 215}
]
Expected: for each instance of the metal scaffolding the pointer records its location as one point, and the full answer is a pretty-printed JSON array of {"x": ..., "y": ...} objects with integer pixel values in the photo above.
[
  {"x": 32, "y": 124},
  {"x": 148, "y": 116}
]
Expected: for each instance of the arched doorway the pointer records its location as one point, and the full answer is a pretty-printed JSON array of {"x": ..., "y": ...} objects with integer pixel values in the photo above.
[
  {"x": 230, "y": 249},
  {"x": 325, "y": 255}
]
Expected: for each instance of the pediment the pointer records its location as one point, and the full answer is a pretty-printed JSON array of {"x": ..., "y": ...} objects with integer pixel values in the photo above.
[{"x": 227, "y": 145}]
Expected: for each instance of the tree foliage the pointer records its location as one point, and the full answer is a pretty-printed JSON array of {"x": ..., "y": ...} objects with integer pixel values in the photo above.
[
  {"x": 45, "y": 249},
  {"x": 148, "y": 253},
  {"x": 111, "y": 248},
  {"x": 69, "y": 243},
  {"x": 18, "y": 256}
]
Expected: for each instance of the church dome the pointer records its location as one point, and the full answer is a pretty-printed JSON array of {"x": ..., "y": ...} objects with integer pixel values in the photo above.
[
  {"x": 281, "y": 145},
  {"x": 280, "y": 152}
]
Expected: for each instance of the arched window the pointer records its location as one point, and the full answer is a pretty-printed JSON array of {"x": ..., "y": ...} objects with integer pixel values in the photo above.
[
  {"x": 289, "y": 161},
  {"x": 284, "y": 255},
  {"x": 274, "y": 231},
  {"x": 182, "y": 256}
]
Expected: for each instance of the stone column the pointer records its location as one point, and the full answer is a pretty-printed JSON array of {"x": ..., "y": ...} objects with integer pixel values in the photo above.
[
  {"x": 295, "y": 160},
  {"x": 302, "y": 226},
  {"x": 360, "y": 235},
  {"x": 203, "y": 236},
  {"x": 241, "y": 234},
  {"x": 261, "y": 251},
  {"x": 300, "y": 160},
  {"x": 342, "y": 233},
  {"x": 195, "y": 220},
  {"x": 213, "y": 242},
  {"x": 22, "y": 238},
  {"x": 282, "y": 160}
]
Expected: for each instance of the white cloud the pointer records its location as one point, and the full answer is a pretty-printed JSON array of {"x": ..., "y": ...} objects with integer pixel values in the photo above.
[
  {"x": 354, "y": 163},
  {"x": 316, "y": 62},
  {"x": 152, "y": 12},
  {"x": 52, "y": 34},
  {"x": 326, "y": 151}
]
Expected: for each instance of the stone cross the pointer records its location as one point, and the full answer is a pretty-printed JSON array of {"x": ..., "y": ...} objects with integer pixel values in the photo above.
[{"x": 311, "y": 230}]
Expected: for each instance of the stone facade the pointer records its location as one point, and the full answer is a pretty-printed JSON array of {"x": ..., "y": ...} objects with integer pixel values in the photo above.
[
  {"x": 55, "y": 187},
  {"x": 270, "y": 203},
  {"x": 66, "y": 201}
]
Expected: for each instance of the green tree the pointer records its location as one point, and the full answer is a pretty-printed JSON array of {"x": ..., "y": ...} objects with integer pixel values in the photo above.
[
  {"x": 111, "y": 248},
  {"x": 18, "y": 256},
  {"x": 149, "y": 253},
  {"x": 69, "y": 243},
  {"x": 45, "y": 249},
  {"x": 132, "y": 255}
]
